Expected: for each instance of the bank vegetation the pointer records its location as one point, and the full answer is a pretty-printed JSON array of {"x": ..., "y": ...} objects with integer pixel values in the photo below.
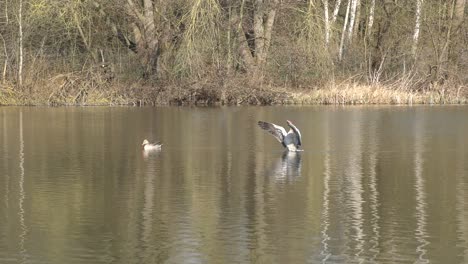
[{"x": 213, "y": 52}]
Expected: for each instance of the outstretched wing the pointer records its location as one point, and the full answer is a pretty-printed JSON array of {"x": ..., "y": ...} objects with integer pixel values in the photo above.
[
  {"x": 296, "y": 132},
  {"x": 277, "y": 131}
]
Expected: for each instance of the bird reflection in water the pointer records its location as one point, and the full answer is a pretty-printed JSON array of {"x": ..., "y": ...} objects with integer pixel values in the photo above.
[
  {"x": 288, "y": 166},
  {"x": 147, "y": 154}
]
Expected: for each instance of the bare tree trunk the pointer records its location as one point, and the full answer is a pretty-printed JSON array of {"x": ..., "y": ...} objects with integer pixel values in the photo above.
[
  {"x": 20, "y": 24},
  {"x": 254, "y": 51},
  {"x": 270, "y": 19},
  {"x": 336, "y": 10},
  {"x": 259, "y": 31},
  {"x": 145, "y": 34},
  {"x": 113, "y": 26},
  {"x": 456, "y": 45},
  {"x": 459, "y": 11},
  {"x": 244, "y": 49},
  {"x": 443, "y": 57},
  {"x": 229, "y": 41},
  {"x": 327, "y": 22},
  {"x": 149, "y": 18},
  {"x": 5, "y": 9},
  {"x": 367, "y": 39},
  {"x": 417, "y": 26},
  {"x": 340, "y": 53},
  {"x": 264, "y": 18},
  {"x": 358, "y": 18},
  {"x": 5, "y": 63},
  {"x": 352, "y": 18},
  {"x": 371, "y": 18}
]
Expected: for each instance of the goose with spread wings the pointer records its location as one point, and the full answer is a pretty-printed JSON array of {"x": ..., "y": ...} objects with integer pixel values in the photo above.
[{"x": 290, "y": 140}]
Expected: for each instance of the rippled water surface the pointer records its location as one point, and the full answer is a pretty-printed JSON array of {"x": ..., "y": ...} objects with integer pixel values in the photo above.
[{"x": 374, "y": 185}]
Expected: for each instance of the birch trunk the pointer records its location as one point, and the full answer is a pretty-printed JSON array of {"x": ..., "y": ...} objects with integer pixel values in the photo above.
[
  {"x": 327, "y": 22},
  {"x": 352, "y": 18},
  {"x": 417, "y": 26},
  {"x": 357, "y": 18},
  {"x": 20, "y": 24},
  {"x": 371, "y": 18},
  {"x": 336, "y": 10},
  {"x": 340, "y": 53},
  {"x": 5, "y": 63}
]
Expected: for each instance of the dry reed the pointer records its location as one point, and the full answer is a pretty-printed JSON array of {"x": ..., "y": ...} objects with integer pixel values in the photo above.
[{"x": 81, "y": 90}]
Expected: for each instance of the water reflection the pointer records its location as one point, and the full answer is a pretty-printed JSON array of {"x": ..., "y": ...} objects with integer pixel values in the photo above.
[
  {"x": 353, "y": 188},
  {"x": 375, "y": 185},
  {"x": 325, "y": 252},
  {"x": 287, "y": 167},
  {"x": 150, "y": 154},
  {"x": 374, "y": 203},
  {"x": 148, "y": 202},
  {"x": 462, "y": 217},
  {"x": 5, "y": 161},
  {"x": 461, "y": 171},
  {"x": 419, "y": 185},
  {"x": 22, "y": 194}
]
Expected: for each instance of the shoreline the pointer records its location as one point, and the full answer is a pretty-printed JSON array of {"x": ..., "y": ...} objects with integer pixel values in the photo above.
[{"x": 214, "y": 95}]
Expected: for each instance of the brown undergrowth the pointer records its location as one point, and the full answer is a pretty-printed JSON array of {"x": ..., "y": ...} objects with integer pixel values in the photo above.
[{"x": 78, "y": 89}]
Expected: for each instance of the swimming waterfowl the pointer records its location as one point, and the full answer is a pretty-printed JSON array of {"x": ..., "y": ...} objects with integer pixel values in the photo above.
[
  {"x": 151, "y": 146},
  {"x": 290, "y": 140}
]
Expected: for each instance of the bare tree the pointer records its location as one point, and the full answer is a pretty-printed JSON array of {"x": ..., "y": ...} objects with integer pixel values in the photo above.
[
  {"x": 255, "y": 40},
  {"x": 443, "y": 55},
  {"x": 354, "y": 4},
  {"x": 327, "y": 21},
  {"x": 345, "y": 24},
  {"x": 417, "y": 26},
  {"x": 202, "y": 22},
  {"x": 456, "y": 44},
  {"x": 5, "y": 63},
  {"x": 154, "y": 25},
  {"x": 336, "y": 10},
  {"x": 371, "y": 17},
  {"x": 4, "y": 20},
  {"x": 20, "y": 29},
  {"x": 144, "y": 33},
  {"x": 186, "y": 40},
  {"x": 357, "y": 18}
]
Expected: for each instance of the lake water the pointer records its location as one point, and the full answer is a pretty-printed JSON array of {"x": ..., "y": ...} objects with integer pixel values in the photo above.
[{"x": 374, "y": 185}]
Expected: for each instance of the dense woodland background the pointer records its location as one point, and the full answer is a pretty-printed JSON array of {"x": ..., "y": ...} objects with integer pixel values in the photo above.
[{"x": 62, "y": 48}]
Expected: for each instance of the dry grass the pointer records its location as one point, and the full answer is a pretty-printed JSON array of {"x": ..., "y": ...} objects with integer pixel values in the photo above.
[
  {"x": 9, "y": 96},
  {"x": 81, "y": 90},
  {"x": 353, "y": 93}
]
